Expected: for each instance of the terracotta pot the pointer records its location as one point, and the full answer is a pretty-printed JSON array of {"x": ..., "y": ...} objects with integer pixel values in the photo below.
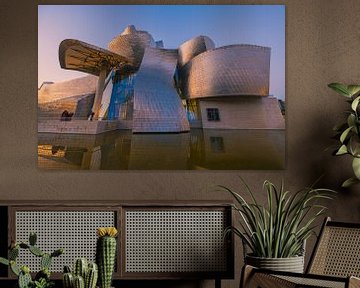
[{"x": 291, "y": 264}]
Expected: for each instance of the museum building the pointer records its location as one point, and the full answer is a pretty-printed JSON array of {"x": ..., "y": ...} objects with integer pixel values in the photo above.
[{"x": 137, "y": 84}]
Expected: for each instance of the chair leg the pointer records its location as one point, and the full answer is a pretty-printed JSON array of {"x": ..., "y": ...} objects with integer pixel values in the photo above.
[{"x": 217, "y": 283}]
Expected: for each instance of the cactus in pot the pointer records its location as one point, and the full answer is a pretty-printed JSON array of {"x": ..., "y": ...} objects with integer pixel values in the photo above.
[
  {"x": 106, "y": 254},
  {"x": 85, "y": 275},
  {"x": 42, "y": 278}
]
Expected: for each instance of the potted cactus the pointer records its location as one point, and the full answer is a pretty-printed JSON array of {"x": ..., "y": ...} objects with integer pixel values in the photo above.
[
  {"x": 84, "y": 275},
  {"x": 42, "y": 278},
  {"x": 106, "y": 254}
]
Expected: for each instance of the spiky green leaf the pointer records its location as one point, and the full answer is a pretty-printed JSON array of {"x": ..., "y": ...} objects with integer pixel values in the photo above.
[
  {"x": 340, "y": 88},
  {"x": 349, "y": 182},
  {"x": 342, "y": 150},
  {"x": 356, "y": 167},
  {"x": 280, "y": 228},
  {"x": 345, "y": 134},
  {"x": 355, "y": 103},
  {"x": 353, "y": 90}
]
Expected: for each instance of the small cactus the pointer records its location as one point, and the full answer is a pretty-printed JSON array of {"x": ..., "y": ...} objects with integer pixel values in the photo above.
[
  {"x": 57, "y": 252},
  {"x": 13, "y": 253},
  {"x": 45, "y": 261},
  {"x": 67, "y": 269},
  {"x": 106, "y": 254},
  {"x": 68, "y": 280},
  {"x": 24, "y": 277},
  {"x": 81, "y": 266},
  {"x": 89, "y": 272},
  {"x": 42, "y": 278},
  {"x": 91, "y": 276},
  {"x": 79, "y": 282},
  {"x": 32, "y": 238},
  {"x": 36, "y": 251}
]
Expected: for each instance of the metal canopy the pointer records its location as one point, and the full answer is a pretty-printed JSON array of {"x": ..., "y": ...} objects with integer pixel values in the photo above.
[{"x": 81, "y": 56}]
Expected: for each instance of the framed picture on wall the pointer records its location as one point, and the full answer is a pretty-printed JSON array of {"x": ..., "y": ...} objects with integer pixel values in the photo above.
[{"x": 161, "y": 87}]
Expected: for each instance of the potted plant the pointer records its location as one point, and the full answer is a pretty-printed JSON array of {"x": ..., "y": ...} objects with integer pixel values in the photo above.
[
  {"x": 42, "y": 278},
  {"x": 276, "y": 233},
  {"x": 349, "y": 131}
]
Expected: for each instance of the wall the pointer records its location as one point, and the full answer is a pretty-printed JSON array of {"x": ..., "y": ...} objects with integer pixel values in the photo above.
[
  {"x": 242, "y": 112},
  {"x": 322, "y": 42}
]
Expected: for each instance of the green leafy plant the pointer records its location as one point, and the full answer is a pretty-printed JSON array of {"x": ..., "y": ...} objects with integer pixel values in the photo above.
[
  {"x": 42, "y": 278},
  {"x": 348, "y": 132},
  {"x": 279, "y": 229}
]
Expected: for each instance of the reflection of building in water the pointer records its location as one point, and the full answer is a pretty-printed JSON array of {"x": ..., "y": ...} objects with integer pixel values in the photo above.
[
  {"x": 73, "y": 151},
  {"x": 138, "y": 85},
  {"x": 225, "y": 149},
  {"x": 198, "y": 150},
  {"x": 159, "y": 151}
]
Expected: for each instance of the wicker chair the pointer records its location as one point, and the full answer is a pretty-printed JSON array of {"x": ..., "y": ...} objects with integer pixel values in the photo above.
[{"x": 334, "y": 263}]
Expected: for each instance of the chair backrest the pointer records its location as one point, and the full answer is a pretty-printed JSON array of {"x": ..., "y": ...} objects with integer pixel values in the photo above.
[{"x": 337, "y": 251}]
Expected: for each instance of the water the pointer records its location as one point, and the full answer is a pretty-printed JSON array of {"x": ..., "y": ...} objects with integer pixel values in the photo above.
[{"x": 200, "y": 149}]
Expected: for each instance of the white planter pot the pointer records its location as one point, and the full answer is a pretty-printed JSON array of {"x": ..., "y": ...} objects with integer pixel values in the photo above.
[{"x": 291, "y": 264}]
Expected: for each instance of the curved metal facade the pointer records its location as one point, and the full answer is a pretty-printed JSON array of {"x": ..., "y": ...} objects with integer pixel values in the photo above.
[
  {"x": 224, "y": 78},
  {"x": 81, "y": 56},
  {"x": 131, "y": 44},
  {"x": 229, "y": 70},
  {"x": 193, "y": 47},
  {"x": 157, "y": 106}
]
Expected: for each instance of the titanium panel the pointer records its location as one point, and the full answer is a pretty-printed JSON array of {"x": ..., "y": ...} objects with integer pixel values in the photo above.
[
  {"x": 157, "y": 106},
  {"x": 84, "y": 57},
  {"x": 193, "y": 47},
  {"x": 227, "y": 71},
  {"x": 131, "y": 44}
]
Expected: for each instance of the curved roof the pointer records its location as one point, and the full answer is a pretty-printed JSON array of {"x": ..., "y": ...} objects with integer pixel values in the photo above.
[
  {"x": 228, "y": 70},
  {"x": 131, "y": 43},
  {"x": 193, "y": 47},
  {"x": 81, "y": 56}
]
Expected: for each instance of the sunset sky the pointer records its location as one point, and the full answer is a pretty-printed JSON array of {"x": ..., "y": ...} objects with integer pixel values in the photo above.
[{"x": 262, "y": 25}]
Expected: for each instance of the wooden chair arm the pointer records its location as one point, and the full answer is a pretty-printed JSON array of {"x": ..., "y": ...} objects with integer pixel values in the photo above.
[
  {"x": 354, "y": 282},
  {"x": 252, "y": 279}
]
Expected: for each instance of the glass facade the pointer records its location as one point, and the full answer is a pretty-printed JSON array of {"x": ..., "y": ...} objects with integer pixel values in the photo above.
[
  {"x": 122, "y": 97},
  {"x": 192, "y": 109}
]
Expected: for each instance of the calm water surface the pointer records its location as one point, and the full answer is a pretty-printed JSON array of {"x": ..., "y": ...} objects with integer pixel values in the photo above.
[{"x": 197, "y": 150}]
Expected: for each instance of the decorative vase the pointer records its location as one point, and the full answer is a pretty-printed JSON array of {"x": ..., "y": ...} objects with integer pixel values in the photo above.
[{"x": 291, "y": 264}]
